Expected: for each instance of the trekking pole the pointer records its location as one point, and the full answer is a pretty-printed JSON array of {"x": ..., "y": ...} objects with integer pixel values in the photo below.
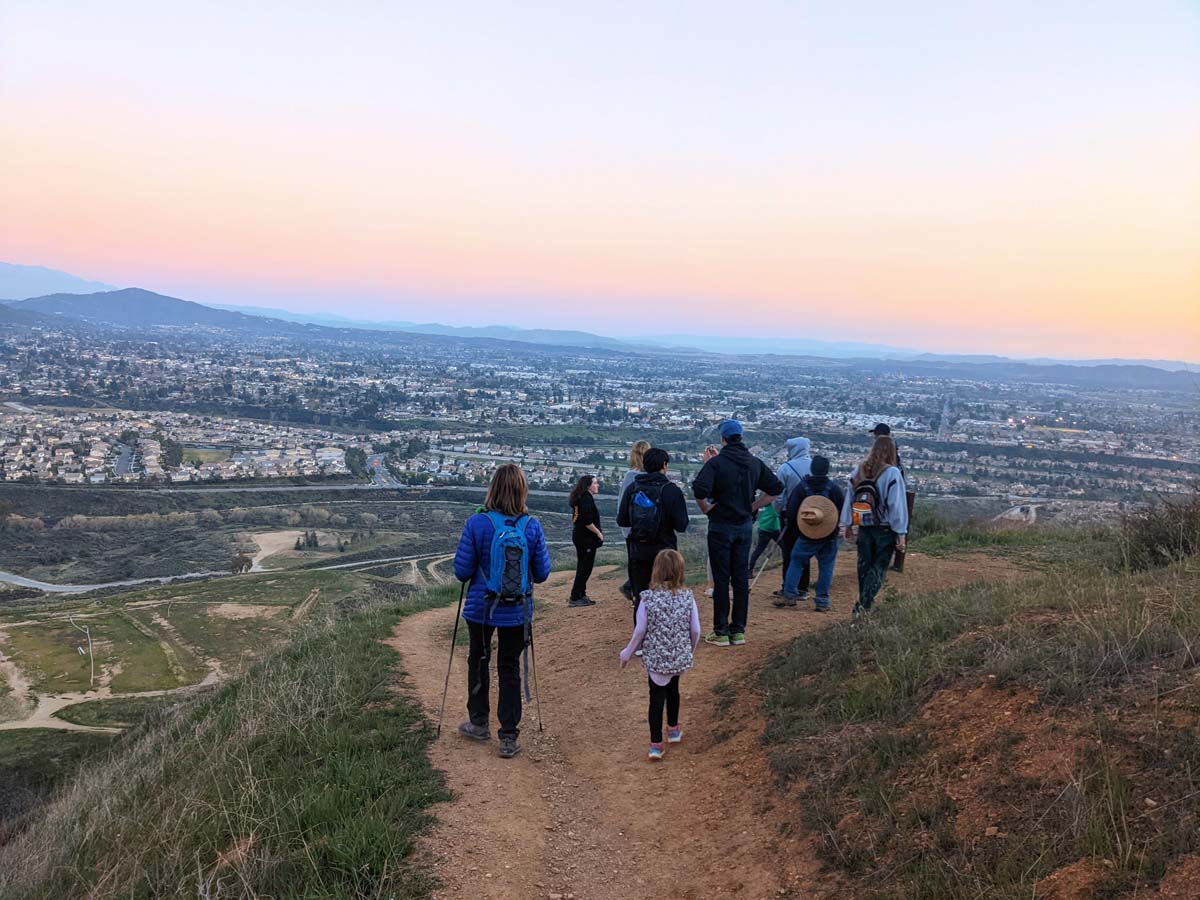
[
  {"x": 763, "y": 567},
  {"x": 537, "y": 695},
  {"x": 453, "y": 641}
]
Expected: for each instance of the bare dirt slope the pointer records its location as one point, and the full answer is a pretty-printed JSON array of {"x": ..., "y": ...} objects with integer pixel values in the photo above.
[{"x": 581, "y": 812}]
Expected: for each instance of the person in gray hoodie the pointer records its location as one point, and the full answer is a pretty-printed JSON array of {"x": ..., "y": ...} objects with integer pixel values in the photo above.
[{"x": 791, "y": 473}]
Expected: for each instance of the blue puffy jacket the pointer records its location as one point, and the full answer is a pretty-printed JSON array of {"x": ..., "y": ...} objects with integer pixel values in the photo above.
[{"x": 473, "y": 560}]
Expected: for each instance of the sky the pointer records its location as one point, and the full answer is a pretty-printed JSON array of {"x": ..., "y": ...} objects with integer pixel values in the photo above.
[{"x": 1011, "y": 177}]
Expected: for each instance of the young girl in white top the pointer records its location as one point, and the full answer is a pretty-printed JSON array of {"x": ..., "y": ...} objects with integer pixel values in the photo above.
[{"x": 667, "y": 631}]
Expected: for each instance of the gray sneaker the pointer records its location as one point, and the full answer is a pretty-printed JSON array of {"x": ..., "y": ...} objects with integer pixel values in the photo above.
[
  {"x": 508, "y": 747},
  {"x": 474, "y": 732}
]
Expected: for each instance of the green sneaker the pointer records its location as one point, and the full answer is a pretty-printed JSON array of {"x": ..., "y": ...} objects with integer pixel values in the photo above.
[
  {"x": 717, "y": 640},
  {"x": 737, "y": 639}
]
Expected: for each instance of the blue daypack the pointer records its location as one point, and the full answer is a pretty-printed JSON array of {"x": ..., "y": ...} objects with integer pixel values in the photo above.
[{"x": 508, "y": 576}]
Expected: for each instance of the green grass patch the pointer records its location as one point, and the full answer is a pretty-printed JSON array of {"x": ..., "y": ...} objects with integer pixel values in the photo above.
[
  {"x": 307, "y": 777},
  {"x": 197, "y": 457},
  {"x": 119, "y": 712},
  {"x": 234, "y": 634},
  {"x": 34, "y": 762},
  {"x": 285, "y": 587},
  {"x": 49, "y": 654}
]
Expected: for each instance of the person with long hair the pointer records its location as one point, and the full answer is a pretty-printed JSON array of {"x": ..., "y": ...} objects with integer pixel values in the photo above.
[
  {"x": 875, "y": 514},
  {"x": 486, "y": 615},
  {"x": 667, "y": 631},
  {"x": 637, "y": 455},
  {"x": 585, "y": 535}
]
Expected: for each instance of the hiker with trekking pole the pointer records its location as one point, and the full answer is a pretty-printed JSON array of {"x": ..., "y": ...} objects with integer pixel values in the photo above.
[
  {"x": 501, "y": 555},
  {"x": 790, "y": 474}
]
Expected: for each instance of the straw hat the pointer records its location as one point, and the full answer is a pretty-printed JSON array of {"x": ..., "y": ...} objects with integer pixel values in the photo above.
[{"x": 817, "y": 518}]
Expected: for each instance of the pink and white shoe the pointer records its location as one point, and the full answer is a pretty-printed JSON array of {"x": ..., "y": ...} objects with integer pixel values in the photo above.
[
  {"x": 675, "y": 735},
  {"x": 656, "y": 752}
]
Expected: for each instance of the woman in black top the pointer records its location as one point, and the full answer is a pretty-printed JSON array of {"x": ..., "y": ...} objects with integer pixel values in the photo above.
[{"x": 585, "y": 535}]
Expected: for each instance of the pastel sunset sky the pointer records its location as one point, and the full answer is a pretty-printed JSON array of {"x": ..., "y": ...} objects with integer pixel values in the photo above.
[{"x": 1012, "y": 177}]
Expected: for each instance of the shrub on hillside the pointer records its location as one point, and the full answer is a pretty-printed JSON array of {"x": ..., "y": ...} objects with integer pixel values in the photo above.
[{"x": 1167, "y": 530}]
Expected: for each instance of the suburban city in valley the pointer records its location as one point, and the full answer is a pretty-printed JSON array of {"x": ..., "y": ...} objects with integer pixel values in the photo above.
[{"x": 189, "y": 408}]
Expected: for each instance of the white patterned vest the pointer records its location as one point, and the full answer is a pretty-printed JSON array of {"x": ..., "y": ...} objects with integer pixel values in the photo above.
[{"x": 667, "y": 646}]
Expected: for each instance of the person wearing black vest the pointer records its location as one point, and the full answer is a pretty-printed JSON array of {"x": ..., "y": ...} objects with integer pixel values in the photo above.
[
  {"x": 672, "y": 515},
  {"x": 730, "y": 489}
]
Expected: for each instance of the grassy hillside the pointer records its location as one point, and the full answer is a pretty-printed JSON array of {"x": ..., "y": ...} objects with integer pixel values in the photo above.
[
  {"x": 1006, "y": 741},
  {"x": 305, "y": 777}
]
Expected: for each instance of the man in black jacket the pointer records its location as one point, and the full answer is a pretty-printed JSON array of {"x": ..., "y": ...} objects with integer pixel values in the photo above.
[
  {"x": 730, "y": 489},
  {"x": 672, "y": 516}
]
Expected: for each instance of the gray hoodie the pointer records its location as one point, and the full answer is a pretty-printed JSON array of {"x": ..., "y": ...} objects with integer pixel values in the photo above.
[
  {"x": 798, "y": 465},
  {"x": 626, "y": 480}
]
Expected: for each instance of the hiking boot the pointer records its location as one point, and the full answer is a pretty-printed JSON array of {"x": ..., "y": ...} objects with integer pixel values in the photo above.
[
  {"x": 508, "y": 747},
  {"x": 782, "y": 600},
  {"x": 474, "y": 732},
  {"x": 656, "y": 752},
  {"x": 737, "y": 638},
  {"x": 582, "y": 601},
  {"x": 717, "y": 640},
  {"x": 820, "y": 607},
  {"x": 674, "y": 735}
]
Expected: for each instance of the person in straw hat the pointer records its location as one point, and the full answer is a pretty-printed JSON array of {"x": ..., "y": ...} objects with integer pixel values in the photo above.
[{"x": 812, "y": 514}]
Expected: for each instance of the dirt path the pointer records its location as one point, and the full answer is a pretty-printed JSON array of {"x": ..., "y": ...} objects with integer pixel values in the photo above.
[
  {"x": 270, "y": 543},
  {"x": 581, "y": 813}
]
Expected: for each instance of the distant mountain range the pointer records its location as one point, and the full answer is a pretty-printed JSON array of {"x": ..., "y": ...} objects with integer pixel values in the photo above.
[
  {"x": 134, "y": 308},
  {"x": 19, "y": 282},
  {"x": 89, "y": 301}
]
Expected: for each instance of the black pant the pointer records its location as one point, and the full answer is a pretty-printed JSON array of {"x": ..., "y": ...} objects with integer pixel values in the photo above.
[
  {"x": 667, "y": 694},
  {"x": 508, "y": 667},
  {"x": 876, "y": 544},
  {"x": 764, "y": 541},
  {"x": 787, "y": 544},
  {"x": 640, "y": 571},
  {"x": 585, "y": 561},
  {"x": 629, "y": 563},
  {"x": 729, "y": 556}
]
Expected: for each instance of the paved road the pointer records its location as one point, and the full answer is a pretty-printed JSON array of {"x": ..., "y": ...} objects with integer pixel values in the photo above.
[
  {"x": 22, "y": 581},
  {"x": 124, "y": 461},
  {"x": 381, "y": 476}
]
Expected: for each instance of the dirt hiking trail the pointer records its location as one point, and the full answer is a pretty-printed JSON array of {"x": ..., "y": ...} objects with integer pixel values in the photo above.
[{"x": 581, "y": 813}]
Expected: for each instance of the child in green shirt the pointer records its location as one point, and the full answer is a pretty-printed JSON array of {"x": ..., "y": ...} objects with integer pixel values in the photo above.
[{"x": 768, "y": 530}]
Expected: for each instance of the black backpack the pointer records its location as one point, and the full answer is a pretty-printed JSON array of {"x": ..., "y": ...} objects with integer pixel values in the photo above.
[{"x": 645, "y": 514}]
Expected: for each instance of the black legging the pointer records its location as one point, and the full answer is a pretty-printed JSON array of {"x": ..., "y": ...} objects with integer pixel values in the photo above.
[
  {"x": 585, "y": 561},
  {"x": 667, "y": 694}
]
